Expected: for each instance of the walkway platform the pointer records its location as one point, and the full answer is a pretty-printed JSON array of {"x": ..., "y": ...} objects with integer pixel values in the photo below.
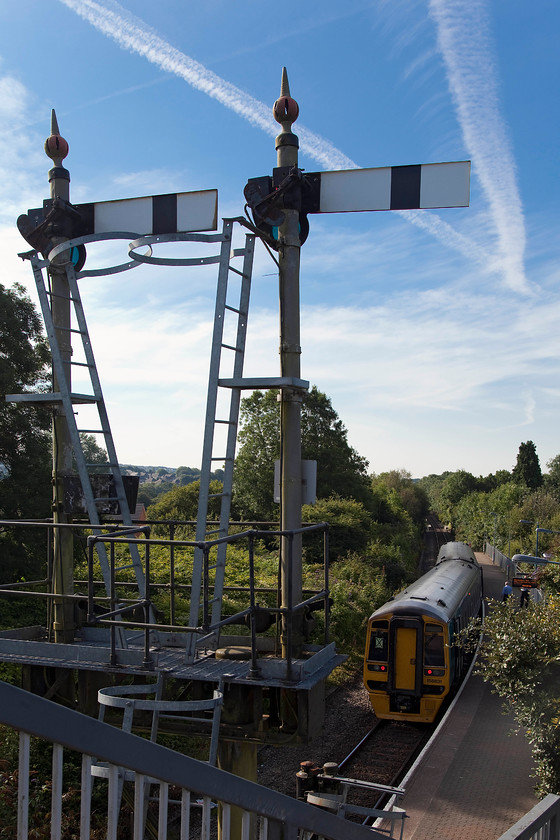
[{"x": 475, "y": 782}]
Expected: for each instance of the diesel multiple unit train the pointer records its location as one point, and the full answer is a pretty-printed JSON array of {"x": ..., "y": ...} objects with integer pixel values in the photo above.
[{"x": 411, "y": 664}]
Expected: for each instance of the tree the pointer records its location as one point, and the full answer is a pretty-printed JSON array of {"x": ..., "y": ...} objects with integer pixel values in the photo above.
[
  {"x": 350, "y": 528},
  {"x": 341, "y": 471},
  {"x": 413, "y": 496},
  {"x": 527, "y": 469},
  {"x": 25, "y": 464},
  {"x": 181, "y": 503},
  {"x": 552, "y": 479},
  {"x": 521, "y": 658},
  {"x": 455, "y": 486},
  {"x": 94, "y": 454}
]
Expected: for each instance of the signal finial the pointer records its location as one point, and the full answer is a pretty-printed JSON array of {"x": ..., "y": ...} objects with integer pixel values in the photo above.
[
  {"x": 286, "y": 112},
  {"x": 56, "y": 146},
  {"x": 286, "y": 109}
]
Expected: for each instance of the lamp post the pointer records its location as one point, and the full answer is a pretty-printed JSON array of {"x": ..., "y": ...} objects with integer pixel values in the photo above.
[{"x": 543, "y": 531}]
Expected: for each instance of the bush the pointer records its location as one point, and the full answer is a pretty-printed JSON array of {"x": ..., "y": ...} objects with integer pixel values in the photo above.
[
  {"x": 349, "y": 523},
  {"x": 521, "y": 658}
]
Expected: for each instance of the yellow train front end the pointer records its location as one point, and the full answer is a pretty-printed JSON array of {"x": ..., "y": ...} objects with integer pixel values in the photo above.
[{"x": 407, "y": 666}]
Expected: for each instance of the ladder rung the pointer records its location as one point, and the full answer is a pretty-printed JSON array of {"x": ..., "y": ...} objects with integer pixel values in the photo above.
[
  {"x": 71, "y": 330},
  {"x": 221, "y": 458},
  {"x": 231, "y": 268},
  {"x": 226, "y": 422},
  {"x": 122, "y": 568},
  {"x": 91, "y": 431},
  {"x": 210, "y": 601},
  {"x": 230, "y": 347},
  {"x": 233, "y": 309},
  {"x": 217, "y": 496},
  {"x": 64, "y": 297},
  {"x": 84, "y": 398},
  {"x": 80, "y": 364}
]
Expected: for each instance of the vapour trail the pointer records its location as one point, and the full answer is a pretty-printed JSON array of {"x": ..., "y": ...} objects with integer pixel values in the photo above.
[
  {"x": 132, "y": 34},
  {"x": 464, "y": 39}
]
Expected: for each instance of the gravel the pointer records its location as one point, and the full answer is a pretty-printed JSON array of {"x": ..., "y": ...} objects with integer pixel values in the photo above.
[{"x": 348, "y": 717}]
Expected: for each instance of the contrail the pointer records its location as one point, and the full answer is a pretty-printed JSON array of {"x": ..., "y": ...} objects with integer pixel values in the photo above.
[
  {"x": 464, "y": 39},
  {"x": 133, "y": 34}
]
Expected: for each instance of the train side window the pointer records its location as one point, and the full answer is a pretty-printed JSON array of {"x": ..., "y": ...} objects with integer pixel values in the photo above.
[
  {"x": 434, "y": 649},
  {"x": 378, "y": 642}
]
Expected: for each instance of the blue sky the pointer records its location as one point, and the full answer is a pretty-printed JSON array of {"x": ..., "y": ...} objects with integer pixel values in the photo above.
[{"x": 434, "y": 333}]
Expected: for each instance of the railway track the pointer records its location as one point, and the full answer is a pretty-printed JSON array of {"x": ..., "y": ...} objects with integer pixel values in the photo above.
[{"x": 384, "y": 755}]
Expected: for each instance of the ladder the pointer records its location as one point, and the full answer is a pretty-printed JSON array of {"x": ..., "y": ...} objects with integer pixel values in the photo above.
[
  {"x": 67, "y": 399},
  {"x": 222, "y": 412}
]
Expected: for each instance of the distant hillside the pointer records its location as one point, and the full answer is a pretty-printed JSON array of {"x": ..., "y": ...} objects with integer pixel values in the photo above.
[
  {"x": 154, "y": 481},
  {"x": 166, "y": 475}
]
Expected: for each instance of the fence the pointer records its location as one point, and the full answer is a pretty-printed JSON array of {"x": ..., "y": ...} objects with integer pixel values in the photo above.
[{"x": 264, "y": 814}]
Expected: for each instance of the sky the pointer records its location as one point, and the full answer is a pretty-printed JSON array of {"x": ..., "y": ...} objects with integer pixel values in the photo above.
[{"x": 433, "y": 332}]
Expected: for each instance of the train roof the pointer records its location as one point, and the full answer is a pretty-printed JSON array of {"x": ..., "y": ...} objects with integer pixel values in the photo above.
[
  {"x": 456, "y": 551},
  {"x": 439, "y": 592}
]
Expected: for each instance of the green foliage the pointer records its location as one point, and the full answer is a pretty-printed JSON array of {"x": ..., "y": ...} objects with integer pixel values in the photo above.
[
  {"x": 473, "y": 518},
  {"x": 527, "y": 469},
  {"x": 552, "y": 478},
  {"x": 25, "y": 447},
  {"x": 25, "y": 465},
  {"x": 521, "y": 658},
  {"x": 484, "y": 508},
  {"x": 340, "y": 470},
  {"x": 181, "y": 503},
  {"x": 186, "y": 475},
  {"x": 149, "y": 492},
  {"x": 94, "y": 454},
  {"x": 350, "y": 527},
  {"x": 455, "y": 487},
  {"x": 357, "y": 590},
  {"x": 413, "y": 497}
]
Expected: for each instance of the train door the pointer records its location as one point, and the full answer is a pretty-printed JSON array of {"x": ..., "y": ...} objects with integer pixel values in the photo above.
[{"x": 406, "y": 663}]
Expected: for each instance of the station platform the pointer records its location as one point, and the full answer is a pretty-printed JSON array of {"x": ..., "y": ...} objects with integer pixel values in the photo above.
[{"x": 475, "y": 781}]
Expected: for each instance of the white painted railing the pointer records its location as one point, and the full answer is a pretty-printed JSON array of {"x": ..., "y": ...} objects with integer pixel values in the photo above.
[{"x": 260, "y": 813}]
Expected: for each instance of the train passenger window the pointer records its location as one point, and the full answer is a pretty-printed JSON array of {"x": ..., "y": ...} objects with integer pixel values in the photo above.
[
  {"x": 378, "y": 641},
  {"x": 434, "y": 651}
]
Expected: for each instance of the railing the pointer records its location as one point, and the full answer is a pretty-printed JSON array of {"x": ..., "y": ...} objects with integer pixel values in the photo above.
[
  {"x": 541, "y": 823},
  {"x": 500, "y": 559},
  {"x": 246, "y": 809},
  {"x": 206, "y": 631},
  {"x": 509, "y": 567},
  {"x": 110, "y": 609}
]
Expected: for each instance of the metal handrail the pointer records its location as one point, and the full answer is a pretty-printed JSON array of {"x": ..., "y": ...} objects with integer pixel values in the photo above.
[
  {"x": 207, "y": 628},
  {"x": 542, "y": 821},
  {"x": 33, "y": 715},
  {"x": 119, "y": 608}
]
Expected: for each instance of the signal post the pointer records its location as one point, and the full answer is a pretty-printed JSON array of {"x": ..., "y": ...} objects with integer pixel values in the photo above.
[
  {"x": 286, "y": 112},
  {"x": 56, "y": 148}
]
